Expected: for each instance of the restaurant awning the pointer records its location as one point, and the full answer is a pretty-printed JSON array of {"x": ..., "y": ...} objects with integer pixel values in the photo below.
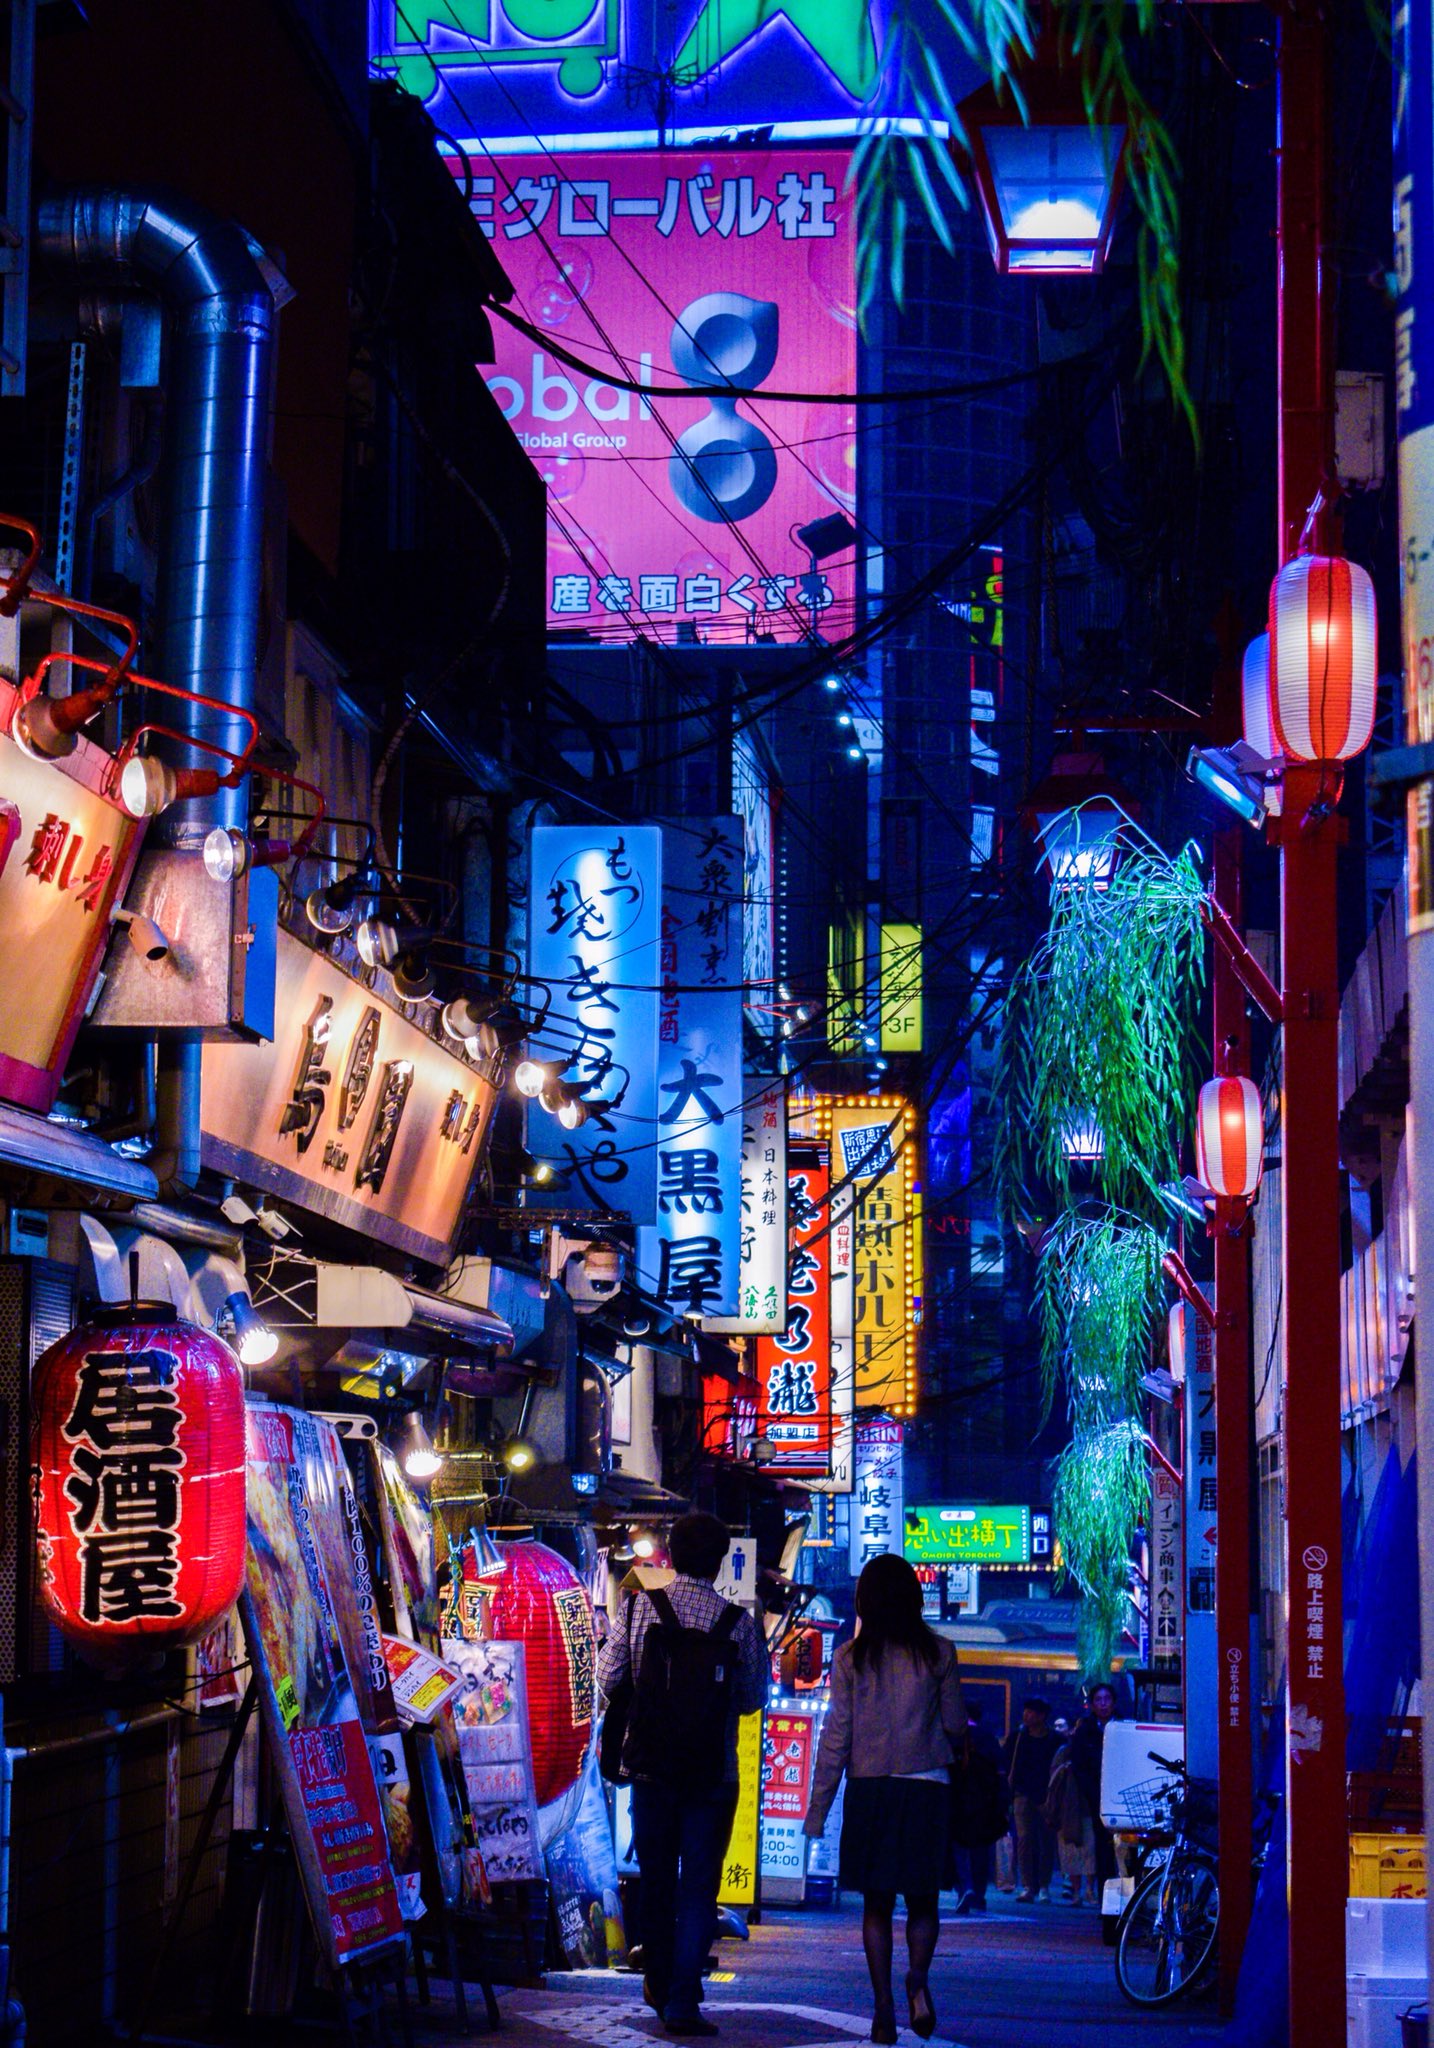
[{"x": 326, "y": 1313}]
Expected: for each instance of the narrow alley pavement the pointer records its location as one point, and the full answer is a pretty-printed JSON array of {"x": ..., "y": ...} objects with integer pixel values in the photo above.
[{"x": 1024, "y": 1977}]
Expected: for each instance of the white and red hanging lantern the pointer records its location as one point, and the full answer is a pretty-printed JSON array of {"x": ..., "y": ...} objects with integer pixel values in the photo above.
[
  {"x": 1255, "y": 699},
  {"x": 1230, "y": 1137},
  {"x": 138, "y": 1448},
  {"x": 1323, "y": 654},
  {"x": 542, "y": 1603},
  {"x": 1176, "y": 1344}
]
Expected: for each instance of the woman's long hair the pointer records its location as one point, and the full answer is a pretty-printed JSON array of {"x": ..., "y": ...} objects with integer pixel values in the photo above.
[{"x": 888, "y": 1605}]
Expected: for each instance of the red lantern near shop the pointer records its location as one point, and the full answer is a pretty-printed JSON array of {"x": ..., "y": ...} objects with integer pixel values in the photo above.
[
  {"x": 542, "y": 1603},
  {"x": 1323, "y": 656},
  {"x": 138, "y": 1449},
  {"x": 1230, "y": 1137}
]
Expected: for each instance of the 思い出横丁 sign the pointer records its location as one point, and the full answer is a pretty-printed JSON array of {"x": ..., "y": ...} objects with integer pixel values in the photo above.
[{"x": 967, "y": 1535}]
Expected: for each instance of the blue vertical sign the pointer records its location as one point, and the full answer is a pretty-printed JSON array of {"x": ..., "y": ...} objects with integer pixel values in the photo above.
[
  {"x": 1413, "y": 27},
  {"x": 595, "y": 905},
  {"x": 690, "y": 1259}
]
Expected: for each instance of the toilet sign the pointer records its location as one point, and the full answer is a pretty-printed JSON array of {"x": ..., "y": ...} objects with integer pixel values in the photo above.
[{"x": 737, "y": 1580}]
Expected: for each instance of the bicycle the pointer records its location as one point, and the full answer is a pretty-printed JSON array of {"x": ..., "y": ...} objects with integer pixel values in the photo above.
[{"x": 1166, "y": 1940}]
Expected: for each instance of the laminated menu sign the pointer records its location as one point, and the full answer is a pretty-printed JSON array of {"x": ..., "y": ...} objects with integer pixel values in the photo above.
[
  {"x": 491, "y": 1712},
  {"x": 306, "y": 1687},
  {"x": 582, "y": 1876},
  {"x": 421, "y": 1684}
]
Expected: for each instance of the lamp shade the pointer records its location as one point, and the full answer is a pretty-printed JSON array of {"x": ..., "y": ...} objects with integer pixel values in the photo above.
[
  {"x": 1176, "y": 1333},
  {"x": 1230, "y": 1136},
  {"x": 1255, "y": 698},
  {"x": 541, "y": 1602},
  {"x": 1323, "y": 654},
  {"x": 1081, "y": 845},
  {"x": 138, "y": 1449}
]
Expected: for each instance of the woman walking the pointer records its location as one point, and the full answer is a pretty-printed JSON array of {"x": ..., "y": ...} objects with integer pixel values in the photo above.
[{"x": 896, "y": 1717}]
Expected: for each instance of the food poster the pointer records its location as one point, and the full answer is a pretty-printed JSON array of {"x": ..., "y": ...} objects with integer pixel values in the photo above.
[
  {"x": 582, "y": 1879},
  {"x": 307, "y": 1696},
  {"x": 739, "y": 1864},
  {"x": 406, "y": 1525},
  {"x": 343, "y": 1549},
  {"x": 491, "y": 1713},
  {"x": 393, "y": 1770},
  {"x": 411, "y": 1541},
  {"x": 787, "y": 1762}
]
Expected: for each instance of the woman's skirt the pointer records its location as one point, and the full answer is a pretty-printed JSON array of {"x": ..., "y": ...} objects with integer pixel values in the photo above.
[{"x": 894, "y": 1835}]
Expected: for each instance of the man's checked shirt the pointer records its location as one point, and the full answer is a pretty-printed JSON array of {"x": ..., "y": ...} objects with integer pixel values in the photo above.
[{"x": 697, "y": 1604}]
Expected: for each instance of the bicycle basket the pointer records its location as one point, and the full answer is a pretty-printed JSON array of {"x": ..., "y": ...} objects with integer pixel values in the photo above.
[
  {"x": 1142, "y": 1806},
  {"x": 1199, "y": 1811}
]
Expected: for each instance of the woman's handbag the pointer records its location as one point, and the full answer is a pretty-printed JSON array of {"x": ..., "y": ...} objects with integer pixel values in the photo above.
[
  {"x": 979, "y": 1810},
  {"x": 613, "y": 1732}
]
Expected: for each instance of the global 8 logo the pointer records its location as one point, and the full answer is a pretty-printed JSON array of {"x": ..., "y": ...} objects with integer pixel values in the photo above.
[{"x": 723, "y": 466}]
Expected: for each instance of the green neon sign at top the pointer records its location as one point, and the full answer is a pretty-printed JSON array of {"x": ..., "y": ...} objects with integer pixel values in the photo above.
[{"x": 968, "y": 1535}]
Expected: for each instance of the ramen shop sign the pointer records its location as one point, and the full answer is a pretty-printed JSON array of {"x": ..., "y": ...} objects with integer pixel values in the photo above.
[{"x": 353, "y": 1110}]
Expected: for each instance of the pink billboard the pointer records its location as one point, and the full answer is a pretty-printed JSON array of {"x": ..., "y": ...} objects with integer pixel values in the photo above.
[{"x": 681, "y": 269}]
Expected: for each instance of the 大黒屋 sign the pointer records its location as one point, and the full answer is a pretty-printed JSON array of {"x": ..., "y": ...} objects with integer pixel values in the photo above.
[
  {"x": 594, "y": 939},
  {"x": 967, "y": 1535},
  {"x": 690, "y": 1259},
  {"x": 713, "y": 269},
  {"x": 352, "y": 1110}
]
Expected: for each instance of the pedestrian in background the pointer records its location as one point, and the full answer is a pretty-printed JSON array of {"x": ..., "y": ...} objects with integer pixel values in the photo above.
[
  {"x": 689, "y": 1664},
  {"x": 1029, "y": 1754},
  {"x": 971, "y": 1861},
  {"x": 1087, "y": 1748},
  {"x": 895, "y": 1719}
]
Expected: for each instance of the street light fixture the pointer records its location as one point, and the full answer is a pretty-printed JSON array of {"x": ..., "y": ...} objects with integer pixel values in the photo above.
[
  {"x": 1234, "y": 776},
  {"x": 1048, "y": 179}
]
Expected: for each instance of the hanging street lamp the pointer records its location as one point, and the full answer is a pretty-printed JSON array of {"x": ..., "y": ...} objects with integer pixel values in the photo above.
[{"x": 1048, "y": 180}]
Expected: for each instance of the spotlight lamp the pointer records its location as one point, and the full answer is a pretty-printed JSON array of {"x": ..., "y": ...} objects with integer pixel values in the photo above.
[
  {"x": 330, "y": 908},
  {"x": 644, "y": 1543},
  {"x": 149, "y": 785},
  {"x": 416, "y": 1452},
  {"x": 531, "y": 1077},
  {"x": 1235, "y": 776},
  {"x": 831, "y": 682},
  {"x": 464, "y": 1017},
  {"x": 254, "y": 1341},
  {"x": 519, "y": 1454},
  {"x": 412, "y": 976},
  {"x": 228, "y": 853}
]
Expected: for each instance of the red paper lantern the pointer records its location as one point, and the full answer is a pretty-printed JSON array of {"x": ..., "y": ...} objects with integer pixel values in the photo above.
[
  {"x": 1230, "y": 1137},
  {"x": 1323, "y": 655},
  {"x": 542, "y": 1603},
  {"x": 138, "y": 1448}
]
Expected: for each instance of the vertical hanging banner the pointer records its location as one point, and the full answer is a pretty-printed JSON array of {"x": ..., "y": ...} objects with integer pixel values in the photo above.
[
  {"x": 1167, "y": 1591},
  {"x": 1202, "y": 1703},
  {"x": 901, "y": 988},
  {"x": 873, "y": 1150},
  {"x": 762, "y": 1267},
  {"x": 690, "y": 1259},
  {"x": 794, "y": 1367},
  {"x": 843, "y": 1262},
  {"x": 878, "y": 1502},
  {"x": 1414, "y": 416},
  {"x": 595, "y": 900}
]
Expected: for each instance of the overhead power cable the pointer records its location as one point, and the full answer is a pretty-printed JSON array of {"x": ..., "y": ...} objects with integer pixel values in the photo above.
[{"x": 917, "y": 394}]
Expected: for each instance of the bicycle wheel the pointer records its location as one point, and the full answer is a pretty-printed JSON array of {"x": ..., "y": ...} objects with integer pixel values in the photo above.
[{"x": 1167, "y": 1933}]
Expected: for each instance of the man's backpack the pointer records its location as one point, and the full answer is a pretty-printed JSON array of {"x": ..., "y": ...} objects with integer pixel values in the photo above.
[{"x": 682, "y": 1699}]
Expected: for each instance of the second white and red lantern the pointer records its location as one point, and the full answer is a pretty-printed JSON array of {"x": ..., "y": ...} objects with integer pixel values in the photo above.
[
  {"x": 541, "y": 1602},
  {"x": 138, "y": 1448},
  {"x": 1230, "y": 1137},
  {"x": 1323, "y": 658}
]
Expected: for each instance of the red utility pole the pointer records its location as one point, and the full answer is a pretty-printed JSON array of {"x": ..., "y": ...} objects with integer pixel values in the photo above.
[
  {"x": 1234, "y": 1434},
  {"x": 1308, "y": 837}
]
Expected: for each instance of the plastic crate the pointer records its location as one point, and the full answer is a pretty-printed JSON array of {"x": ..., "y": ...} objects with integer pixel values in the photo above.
[{"x": 1388, "y": 1866}]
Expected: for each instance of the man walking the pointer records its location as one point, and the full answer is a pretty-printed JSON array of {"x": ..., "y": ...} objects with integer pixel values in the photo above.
[
  {"x": 1087, "y": 1750},
  {"x": 696, "y": 1664},
  {"x": 1029, "y": 1754}
]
